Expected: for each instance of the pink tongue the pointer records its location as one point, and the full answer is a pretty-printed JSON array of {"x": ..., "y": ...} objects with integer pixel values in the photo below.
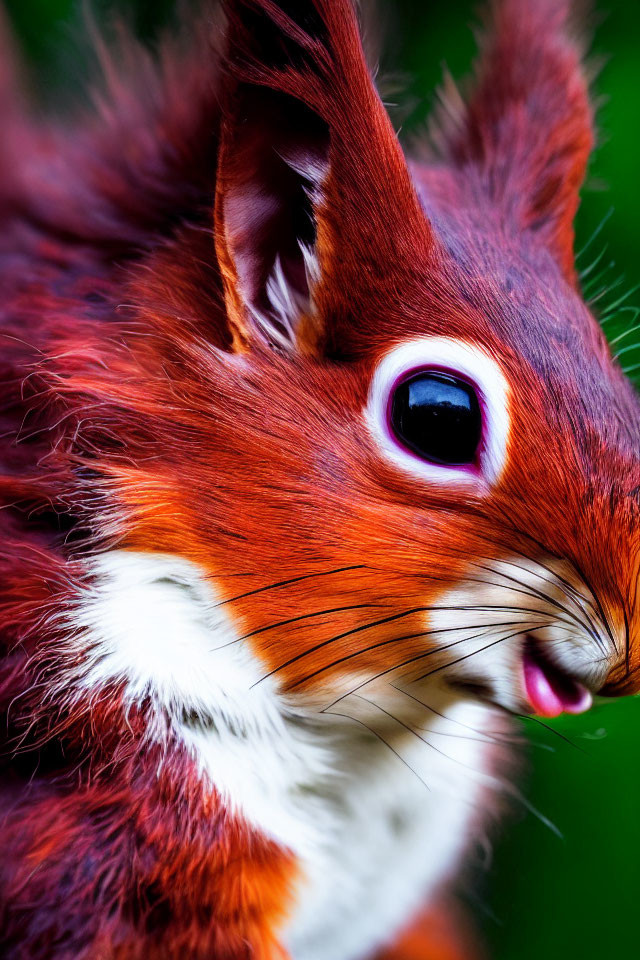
[{"x": 549, "y": 692}]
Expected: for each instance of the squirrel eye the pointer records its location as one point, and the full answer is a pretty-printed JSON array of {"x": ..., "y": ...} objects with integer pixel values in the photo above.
[
  {"x": 438, "y": 408},
  {"x": 438, "y": 417}
]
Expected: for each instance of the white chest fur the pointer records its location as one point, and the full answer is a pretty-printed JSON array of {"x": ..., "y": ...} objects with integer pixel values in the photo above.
[
  {"x": 376, "y": 815},
  {"x": 397, "y": 828}
]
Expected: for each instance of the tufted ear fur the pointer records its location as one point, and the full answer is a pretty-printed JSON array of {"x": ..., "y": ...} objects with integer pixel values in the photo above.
[
  {"x": 310, "y": 174},
  {"x": 527, "y": 127}
]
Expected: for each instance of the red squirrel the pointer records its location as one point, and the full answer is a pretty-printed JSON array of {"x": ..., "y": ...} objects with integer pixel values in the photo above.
[{"x": 315, "y": 469}]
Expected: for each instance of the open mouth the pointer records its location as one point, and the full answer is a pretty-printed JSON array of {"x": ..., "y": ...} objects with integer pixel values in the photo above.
[{"x": 549, "y": 690}]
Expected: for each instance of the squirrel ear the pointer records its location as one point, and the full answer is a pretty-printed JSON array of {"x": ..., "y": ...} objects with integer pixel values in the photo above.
[
  {"x": 310, "y": 173},
  {"x": 528, "y": 125},
  {"x": 273, "y": 159}
]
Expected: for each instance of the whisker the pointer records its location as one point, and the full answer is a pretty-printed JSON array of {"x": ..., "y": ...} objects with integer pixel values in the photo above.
[
  {"x": 498, "y": 783},
  {"x": 592, "y": 266},
  {"x": 545, "y": 726},
  {"x": 513, "y": 791},
  {"x": 341, "y": 636},
  {"x": 582, "y": 602},
  {"x": 403, "y": 724},
  {"x": 347, "y": 716},
  {"x": 604, "y": 291},
  {"x": 595, "y": 234},
  {"x": 453, "y": 663},
  {"x": 298, "y": 619},
  {"x": 531, "y": 591},
  {"x": 285, "y": 583},
  {"x": 513, "y": 528},
  {"x": 603, "y": 618},
  {"x": 631, "y": 369},
  {"x": 481, "y": 736},
  {"x": 612, "y": 307},
  {"x": 575, "y": 595},
  {"x": 623, "y": 335},
  {"x": 403, "y": 663},
  {"x": 627, "y": 642},
  {"x": 629, "y": 347},
  {"x": 449, "y": 608},
  {"x": 409, "y": 636}
]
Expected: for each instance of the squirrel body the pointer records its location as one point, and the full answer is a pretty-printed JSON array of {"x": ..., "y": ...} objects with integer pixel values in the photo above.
[
  {"x": 315, "y": 467},
  {"x": 373, "y": 836}
]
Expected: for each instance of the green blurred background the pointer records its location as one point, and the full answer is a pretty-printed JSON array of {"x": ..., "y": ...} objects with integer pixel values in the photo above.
[{"x": 542, "y": 896}]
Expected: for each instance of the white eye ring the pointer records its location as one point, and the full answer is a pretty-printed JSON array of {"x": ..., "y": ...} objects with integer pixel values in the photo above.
[{"x": 456, "y": 357}]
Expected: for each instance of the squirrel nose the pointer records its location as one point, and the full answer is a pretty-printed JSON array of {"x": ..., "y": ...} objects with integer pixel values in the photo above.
[{"x": 623, "y": 680}]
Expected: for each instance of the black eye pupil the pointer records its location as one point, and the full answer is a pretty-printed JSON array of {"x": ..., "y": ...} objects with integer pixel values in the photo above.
[{"x": 438, "y": 417}]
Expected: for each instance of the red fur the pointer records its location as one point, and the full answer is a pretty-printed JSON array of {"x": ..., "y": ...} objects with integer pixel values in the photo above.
[
  {"x": 440, "y": 933},
  {"x": 127, "y": 419}
]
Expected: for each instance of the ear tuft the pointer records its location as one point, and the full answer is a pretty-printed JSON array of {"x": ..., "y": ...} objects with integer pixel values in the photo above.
[
  {"x": 286, "y": 304},
  {"x": 527, "y": 128},
  {"x": 312, "y": 183},
  {"x": 272, "y": 163}
]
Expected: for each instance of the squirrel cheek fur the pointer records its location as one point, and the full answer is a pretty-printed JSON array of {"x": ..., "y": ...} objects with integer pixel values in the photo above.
[{"x": 257, "y": 657}]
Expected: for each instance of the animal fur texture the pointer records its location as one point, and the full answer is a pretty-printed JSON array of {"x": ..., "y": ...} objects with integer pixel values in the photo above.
[{"x": 258, "y": 658}]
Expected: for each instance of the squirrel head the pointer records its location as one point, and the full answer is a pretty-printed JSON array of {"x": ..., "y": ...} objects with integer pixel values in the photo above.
[
  {"x": 438, "y": 409},
  {"x": 370, "y": 401}
]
